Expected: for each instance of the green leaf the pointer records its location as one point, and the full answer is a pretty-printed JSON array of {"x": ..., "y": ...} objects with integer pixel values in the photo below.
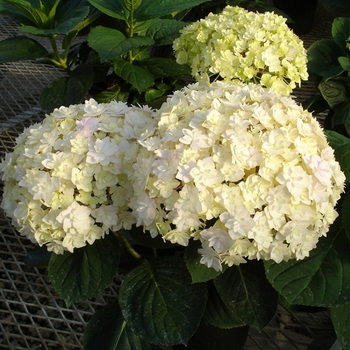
[
  {"x": 153, "y": 94},
  {"x": 85, "y": 273},
  {"x": 213, "y": 338},
  {"x": 79, "y": 83},
  {"x": 334, "y": 91},
  {"x": 322, "y": 279},
  {"x": 64, "y": 26},
  {"x": 160, "y": 302},
  {"x": 108, "y": 330},
  {"x": 341, "y": 146},
  {"x": 140, "y": 78},
  {"x": 132, "y": 5},
  {"x": 341, "y": 32},
  {"x": 198, "y": 271},
  {"x": 246, "y": 292},
  {"x": 112, "y": 8},
  {"x": 54, "y": 95},
  {"x": 342, "y": 114},
  {"x": 344, "y": 62},
  {"x": 345, "y": 210},
  {"x": 21, "y": 48},
  {"x": 130, "y": 44},
  {"x": 165, "y": 31},
  {"x": 38, "y": 256},
  {"x": 218, "y": 313},
  {"x": 323, "y": 56},
  {"x": 34, "y": 15},
  {"x": 67, "y": 90},
  {"x": 166, "y": 67},
  {"x": 150, "y": 9},
  {"x": 104, "y": 41},
  {"x": 340, "y": 316},
  {"x": 71, "y": 19},
  {"x": 111, "y": 43},
  {"x": 115, "y": 93},
  {"x": 334, "y": 72}
]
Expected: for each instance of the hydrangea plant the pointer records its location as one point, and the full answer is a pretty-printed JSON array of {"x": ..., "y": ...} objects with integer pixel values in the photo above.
[
  {"x": 237, "y": 180},
  {"x": 244, "y": 45},
  {"x": 228, "y": 198}
]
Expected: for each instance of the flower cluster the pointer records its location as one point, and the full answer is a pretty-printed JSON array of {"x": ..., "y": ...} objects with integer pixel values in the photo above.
[
  {"x": 67, "y": 180},
  {"x": 244, "y": 45},
  {"x": 247, "y": 172}
]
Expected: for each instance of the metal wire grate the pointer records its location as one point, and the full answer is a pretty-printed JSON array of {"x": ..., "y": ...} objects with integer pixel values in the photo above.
[{"x": 32, "y": 315}]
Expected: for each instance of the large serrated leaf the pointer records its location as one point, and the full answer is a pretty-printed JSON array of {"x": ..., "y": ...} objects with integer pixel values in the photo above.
[
  {"x": 105, "y": 41},
  {"x": 165, "y": 31},
  {"x": 132, "y": 5},
  {"x": 246, "y": 292},
  {"x": 323, "y": 56},
  {"x": 334, "y": 91},
  {"x": 54, "y": 95},
  {"x": 85, "y": 273},
  {"x": 21, "y": 48},
  {"x": 218, "y": 313},
  {"x": 115, "y": 93},
  {"x": 108, "y": 330},
  {"x": 32, "y": 14},
  {"x": 160, "y": 302},
  {"x": 199, "y": 272},
  {"x": 112, "y": 8},
  {"x": 140, "y": 78},
  {"x": 322, "y": 279},
  {"x": 341, "y": 32},
  {"x": 110, "y": 43},
  {"x": 67, "y": 90},
  {"x": 166, "y": 67},
  {"x": 150, "y": 9},
  {"x": 79, "y": 83},
  {"x": 66, "y": 24},
  {"x": 341, "y": 322},
  {"x": 341, "y": 146}
]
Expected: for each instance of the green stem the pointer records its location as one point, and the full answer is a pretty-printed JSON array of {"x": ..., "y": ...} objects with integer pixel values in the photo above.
[
  {"x": 131, "y": 33},
  {"x": 59, "y": 61},
  {"x": 155, "y": 254},
  {"x": 129, "y": 247}
]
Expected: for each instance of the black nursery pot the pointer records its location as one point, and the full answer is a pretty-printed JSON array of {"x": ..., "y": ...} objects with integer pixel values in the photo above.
[{"x": 302, "y": 12}]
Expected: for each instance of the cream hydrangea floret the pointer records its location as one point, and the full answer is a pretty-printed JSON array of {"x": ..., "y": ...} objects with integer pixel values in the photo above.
[
  {"x": 66, "y": 183},
  {"x": 244, "y": 170},
  {"x": 244, "y": 45}
]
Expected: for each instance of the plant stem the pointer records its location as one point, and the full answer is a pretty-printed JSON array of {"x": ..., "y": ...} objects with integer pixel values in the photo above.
[
  {"x": 129, "y": 247},
  {"x": 131, "y": 32},
  {"x": 59, "y": 61}
]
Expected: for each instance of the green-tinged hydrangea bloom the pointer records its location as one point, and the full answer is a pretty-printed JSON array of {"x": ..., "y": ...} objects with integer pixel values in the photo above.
[
  {"x": 66, "y": 183},
  {"x": 244, "y": 170},
  {"x": 244, "y": 45}
]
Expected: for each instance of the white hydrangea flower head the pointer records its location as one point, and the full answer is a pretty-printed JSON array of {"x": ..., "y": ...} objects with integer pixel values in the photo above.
[
  {"x": 244, "y": 45},
  {"x": 240, "y": 181},
  {"x": 66, "y": 183}
]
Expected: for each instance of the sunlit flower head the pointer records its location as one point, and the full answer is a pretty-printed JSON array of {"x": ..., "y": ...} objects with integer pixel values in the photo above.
[{"x": 244, "y": 45}]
